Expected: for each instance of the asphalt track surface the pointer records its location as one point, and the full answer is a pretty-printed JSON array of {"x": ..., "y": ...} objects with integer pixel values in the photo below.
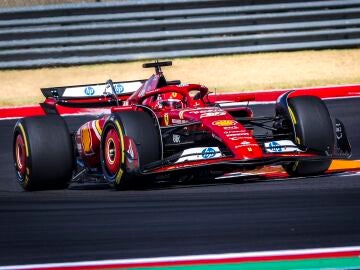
[{"x": 93, "y": 222}]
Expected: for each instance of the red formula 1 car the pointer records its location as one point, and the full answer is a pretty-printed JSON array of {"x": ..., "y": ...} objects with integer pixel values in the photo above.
[{"x": 156, "y": 129}]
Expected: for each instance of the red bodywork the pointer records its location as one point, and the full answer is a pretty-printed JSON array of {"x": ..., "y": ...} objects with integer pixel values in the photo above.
[{"x": 216, "y": 121}]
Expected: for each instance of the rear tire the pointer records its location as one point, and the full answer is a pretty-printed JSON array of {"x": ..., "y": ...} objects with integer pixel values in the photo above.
[
  {"x": 43, "y": 153},
  {"x": 143, "y": 130},
  {"x": 314, "y": 130}
]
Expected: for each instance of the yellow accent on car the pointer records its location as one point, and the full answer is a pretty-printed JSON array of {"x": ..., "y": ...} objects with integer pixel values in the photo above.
[
  {"x": 26, "y": 180},
  {"x": 120, "y": 171},
  {"x": 121, "y": 141},
  {"x": 224, "y": 123},
  {"x": 119, "y": 176},
  {"x": 98, "y": 128},
  {"x": 86, "y": 140},
  {"x": 296, "y": 164},
  {"x": 166, "y": 119},
  {"x": 25, "y": 139},
  {"x": 292, "y": 116}
]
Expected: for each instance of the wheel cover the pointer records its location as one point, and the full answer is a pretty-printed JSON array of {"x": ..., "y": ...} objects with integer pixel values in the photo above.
[
  {"x": 20, "y": 155},
  {"x": 112, "y": 153}
]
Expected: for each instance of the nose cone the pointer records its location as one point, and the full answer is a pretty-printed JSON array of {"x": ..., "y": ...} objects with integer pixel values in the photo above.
[{"x": 234, "y": 136}]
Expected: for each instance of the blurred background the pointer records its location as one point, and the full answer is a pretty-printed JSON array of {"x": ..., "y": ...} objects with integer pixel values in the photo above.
[{"x": 16, "y": 3}]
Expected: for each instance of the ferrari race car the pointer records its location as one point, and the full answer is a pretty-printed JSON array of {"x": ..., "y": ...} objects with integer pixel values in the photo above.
[{"x": 163, "y": 130}]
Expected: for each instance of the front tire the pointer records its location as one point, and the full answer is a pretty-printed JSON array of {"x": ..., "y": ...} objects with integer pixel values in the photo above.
[
  {"x": 43, "y": 153},
  {"x": 120, "y": 128},
  {"x": 314, "y": 131}
]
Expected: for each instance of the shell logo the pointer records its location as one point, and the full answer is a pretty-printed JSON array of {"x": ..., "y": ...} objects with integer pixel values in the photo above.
[{"x": 224, "y": 123}]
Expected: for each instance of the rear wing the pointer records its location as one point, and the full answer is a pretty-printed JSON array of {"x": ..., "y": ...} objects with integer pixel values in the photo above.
[{"x": 89, "y": 91}]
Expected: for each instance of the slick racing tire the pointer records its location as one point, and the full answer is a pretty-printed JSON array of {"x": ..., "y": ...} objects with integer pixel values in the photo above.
[
  {"x": 43, "y": 153},
  {"x": 314, "y": 131},
  {"x": 140, "y": 128}
]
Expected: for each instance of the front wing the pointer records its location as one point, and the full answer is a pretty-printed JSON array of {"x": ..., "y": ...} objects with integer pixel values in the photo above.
[{"x": 228, "y": 164}]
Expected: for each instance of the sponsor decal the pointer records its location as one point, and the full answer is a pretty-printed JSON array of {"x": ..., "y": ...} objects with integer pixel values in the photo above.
[
  {"x": 166, "y": 119},
  {"x": 199, "y": 153},
  {"x": 239, "y": 132},
  {"x": 118, "y": 88},
  {"x": 339, "y": 133},
  {"x": 274, "y": 146},
  {"x": 89, "y": 91},
  {"x": 245, "y": 143},
  {"x": 211, "y": 114},
  {"x": 181, "y": 114},
  {"x": 281, "y": 146},
  {"x": 178, "y": 121},
  {"x": 224, "y": 123},
  {"x": 238, "y": 135},
  {"x": 99, "y": 89},
  {"x": 174, "y": 94},
  {"x": 231, "y": 128},
  {"x": 235, "y": 138},
  {"x": 130, "y": 151},
  {"x": 208, "y": 153},
  {"x": 176, "y": 138},
  {"x": 201, "y": 111}
]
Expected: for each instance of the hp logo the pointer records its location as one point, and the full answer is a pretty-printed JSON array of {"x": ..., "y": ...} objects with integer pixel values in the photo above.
[
  {"x": 118, "y": 88},
  {"x": 89, "y": 91},
  {"x": 208, "y": 153},
  {"x": 274, "y": 146}
]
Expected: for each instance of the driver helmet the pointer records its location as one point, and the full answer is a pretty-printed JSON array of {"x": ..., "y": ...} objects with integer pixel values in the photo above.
[{"x": 171, "y": 100}]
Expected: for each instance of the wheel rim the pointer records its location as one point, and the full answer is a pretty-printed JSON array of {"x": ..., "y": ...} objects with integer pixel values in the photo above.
[
  {"x": 20, "y": 155},
  {"x": 112, "y": 153}
]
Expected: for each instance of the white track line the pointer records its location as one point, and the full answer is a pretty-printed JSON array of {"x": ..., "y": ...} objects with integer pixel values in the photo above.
[{"x": 193, "y": 258}]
